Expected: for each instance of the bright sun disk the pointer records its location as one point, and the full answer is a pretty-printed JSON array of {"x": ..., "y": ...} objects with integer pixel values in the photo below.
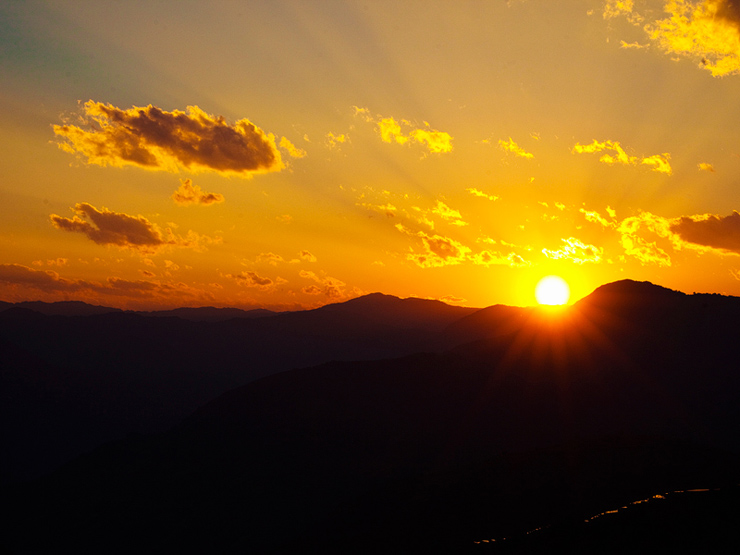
[{"x": 552, "y": 290}]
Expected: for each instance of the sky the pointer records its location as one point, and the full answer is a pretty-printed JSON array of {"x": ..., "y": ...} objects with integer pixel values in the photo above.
[{"x": 289, "y": 154}]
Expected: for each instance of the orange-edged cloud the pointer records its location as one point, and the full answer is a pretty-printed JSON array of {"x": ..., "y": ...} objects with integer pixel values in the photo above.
[
  {"x": 705, "y": 167},
  {"x": 188, "y": 194},
  {"x": 105, "y": 227},
  {"x": 708, "y": 30},
  {"x": 511, "y": 146},
  {"x": 708, "y": 230},
  {"x": 151, "y": 138}
]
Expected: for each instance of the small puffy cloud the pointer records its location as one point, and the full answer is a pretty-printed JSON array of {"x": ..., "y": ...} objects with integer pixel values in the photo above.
[
  {"x": 105, "y": 227},
  {"x": 488, "y": 258},
  {"x": 709, "y": 230},
  {"x": 284, "y": 218},
  {"x": 387, "y": 209},
  {"x": 188, "y": 194},
  {"x": 305, "y": 255},
  {"x": 614, "y": 8},
  {"x": 615, "y": 154},
  {"x": 594, "y": 217},
  {"x": 576, "y": 251},
  {"x": 392, "y": 131},
  {"x": 151, "y": 138},
  {"x": 634, "y": 244},
  {"x": 435, "y": 141},
  {"x": 270, "y": 258},
  {"x": 612, "y": 213},
  {"x": 334, "y": 141},
  {"x": 437, "y": 250},
  {"x": 252, "y": 279},
  {"x": 708, "y": 30},
  {"x": 659, "y": 162},
  {"x": 329, "y": 286},
  {"x": 147, "y": 273},
  {"x": 293, "y": 150},
  {"x": 479, "y": 193},
  {"x": 632, "y": 45},
  {"x": 449, "y": 214},
  {"x": 511, "y": 146},
  {"x": 703, "y": 166}
]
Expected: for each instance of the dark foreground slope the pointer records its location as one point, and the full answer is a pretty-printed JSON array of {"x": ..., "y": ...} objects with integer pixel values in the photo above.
[
  {"x": 631, "y": 393},
  {"x": 73, "y": 376}
]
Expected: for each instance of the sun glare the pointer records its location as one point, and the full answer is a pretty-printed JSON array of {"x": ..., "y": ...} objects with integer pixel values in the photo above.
[{"x": 552, "y": 290}]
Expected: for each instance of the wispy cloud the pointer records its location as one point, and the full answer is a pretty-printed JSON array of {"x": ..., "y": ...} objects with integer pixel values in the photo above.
[{"x": 152, "y": 138}]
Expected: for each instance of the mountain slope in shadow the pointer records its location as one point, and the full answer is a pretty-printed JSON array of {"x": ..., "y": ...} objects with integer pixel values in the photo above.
[
  {"x": 105, "y": 373},
  {"x": 632, "y": 392}
]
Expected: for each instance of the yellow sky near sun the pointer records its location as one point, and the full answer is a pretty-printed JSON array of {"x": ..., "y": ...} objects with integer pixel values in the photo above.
[{"x": 460, "y": 152}]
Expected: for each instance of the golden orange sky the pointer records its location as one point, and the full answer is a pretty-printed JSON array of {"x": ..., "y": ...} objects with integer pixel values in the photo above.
[{"x": 287, "y": 154}]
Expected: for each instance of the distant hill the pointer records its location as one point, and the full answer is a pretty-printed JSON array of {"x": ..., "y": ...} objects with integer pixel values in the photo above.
[{"x": 544, "y": 419}]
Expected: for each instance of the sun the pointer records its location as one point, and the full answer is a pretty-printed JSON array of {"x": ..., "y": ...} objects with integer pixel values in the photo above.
[{"x": 552, "y": 290}]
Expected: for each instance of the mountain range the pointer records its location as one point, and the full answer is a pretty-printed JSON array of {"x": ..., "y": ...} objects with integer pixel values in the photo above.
[{"x": 375, "y": 425}]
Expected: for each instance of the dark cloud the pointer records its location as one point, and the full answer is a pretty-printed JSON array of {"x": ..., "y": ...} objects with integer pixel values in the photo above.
[
  {"x": 111, "y": 228},
  {"x": 105, "y": 227},
  {"x": 152, "y": 138},
  {"x": 711, "y": 231}
]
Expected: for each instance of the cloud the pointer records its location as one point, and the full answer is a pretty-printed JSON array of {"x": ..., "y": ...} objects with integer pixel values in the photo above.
[
  {"x": 329, "y": 286},
  {"x": 488, "y": 258},
  {"x": 391, "y": 131},
  {"x": 151, "y": 138},
  {"x": 478, "y": 193},
  {"x": 437, "y": 250},
  {"x": 333, "y": 140},
  {"x": 252, "y": 279},
  {"x": 708, "y": 230},
  {"x": 647, "y": 252},
  {"x": 387, "y": 209},
  {"x": 633, "y": 45},
  {"x": 576, "y": 251},
  {"x": 448, "y": 214},
  {"x": 514, "y": 148},
  {"x": 270, "y": 257},
  {"x": 105, "y": 227},
  {"x": 305, "y": 255},
  {"x": 293, "y": 150},
  {"x": 619, "y": 155},
  {"x": 703, "y": 166},
  {"x": 188, "y": 194},
  {"x": 51, "y": 283},
  {"x": 708, "y": 31},
  {"x": 594, "y": 217},
  {"x": 614, "y": 8}
]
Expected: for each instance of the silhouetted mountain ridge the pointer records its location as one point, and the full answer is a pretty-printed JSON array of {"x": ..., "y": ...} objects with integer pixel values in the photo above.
[{"x": 544, "y": 417}]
